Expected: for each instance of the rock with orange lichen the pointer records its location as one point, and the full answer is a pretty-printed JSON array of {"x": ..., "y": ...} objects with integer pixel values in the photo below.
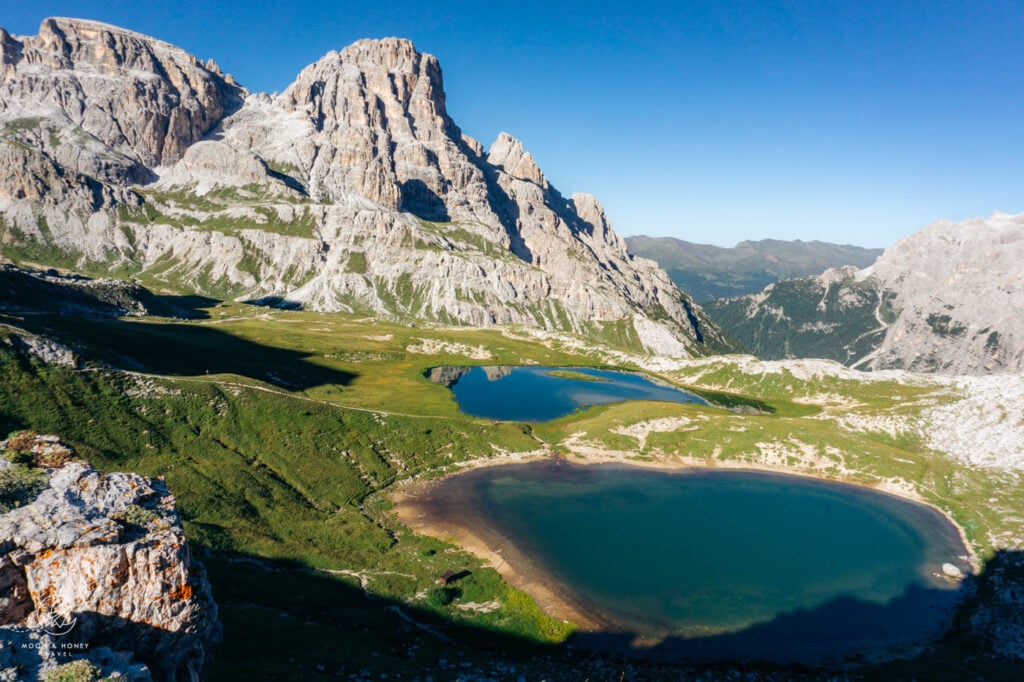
[{"x": 97, "y": 566}]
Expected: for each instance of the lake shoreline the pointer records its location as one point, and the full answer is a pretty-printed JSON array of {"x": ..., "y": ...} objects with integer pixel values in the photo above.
[{"x": 411, "y": 510}]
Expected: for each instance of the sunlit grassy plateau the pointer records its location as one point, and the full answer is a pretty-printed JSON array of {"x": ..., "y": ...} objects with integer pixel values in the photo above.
[{"x": 282, "y": 432}]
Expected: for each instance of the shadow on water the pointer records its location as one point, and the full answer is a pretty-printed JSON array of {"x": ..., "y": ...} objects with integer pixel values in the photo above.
[
  {"x": 283, "y": 621},
  {"x": 805, "y": 636}
]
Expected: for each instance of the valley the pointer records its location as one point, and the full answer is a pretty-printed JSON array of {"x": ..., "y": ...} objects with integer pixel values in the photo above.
[
  {"x": 942, "y": 300},
  {"x": 286, "y": 309},
  {"x": 283, "y": 455},
  {"x": 708, "y": 272}
]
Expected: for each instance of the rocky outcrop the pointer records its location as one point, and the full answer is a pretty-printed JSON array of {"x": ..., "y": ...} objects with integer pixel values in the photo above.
[
  {"x": 88, "y": 109},
  {"x": 948, "y": 299},
  {"x": 381, "y": 131},
  {"x": 96, "y": 563},
  {"x": 353, "y": 190},
  {"x": 29, "y": 174}
]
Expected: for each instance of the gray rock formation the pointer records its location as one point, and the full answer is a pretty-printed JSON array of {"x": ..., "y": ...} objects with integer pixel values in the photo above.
[
  {"x": 353, "y": 190},
  {"x": 948, "y": 299},
  {"x": 93, "y": 563},
  {"x": 138, "y": 96}
]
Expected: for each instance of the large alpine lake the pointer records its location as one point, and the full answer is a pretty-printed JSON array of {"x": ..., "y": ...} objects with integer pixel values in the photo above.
[
  {"x": 534, "y": 394},
  {"x": 719, "y": 564}
]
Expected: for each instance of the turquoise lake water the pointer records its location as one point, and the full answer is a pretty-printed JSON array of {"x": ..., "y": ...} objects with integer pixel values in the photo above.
[
  {"x": 531, "y": 394},
  {"x": 719, "y": 564}
]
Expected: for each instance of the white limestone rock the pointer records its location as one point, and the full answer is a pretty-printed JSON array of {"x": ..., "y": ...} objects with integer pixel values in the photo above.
[{"x": 73, "y": 554}]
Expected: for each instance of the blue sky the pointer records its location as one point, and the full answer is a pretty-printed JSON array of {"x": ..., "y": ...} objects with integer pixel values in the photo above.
[{"x": 855, "y": 121}]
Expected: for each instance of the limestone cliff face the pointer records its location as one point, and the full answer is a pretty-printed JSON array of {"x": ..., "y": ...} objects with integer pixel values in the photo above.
[
  {"x": 106, "y": 553},
  {"x": 959, "y": 289},
  {"x": 138, "y": 96},
  {"x": 353, "y": 190},
  {"x": 948, "y": 298}
]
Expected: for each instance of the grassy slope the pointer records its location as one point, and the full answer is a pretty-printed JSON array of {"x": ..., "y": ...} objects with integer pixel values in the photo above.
[
  {"x": 282, "y": 460},
  {"x": 236, "y": 212}
]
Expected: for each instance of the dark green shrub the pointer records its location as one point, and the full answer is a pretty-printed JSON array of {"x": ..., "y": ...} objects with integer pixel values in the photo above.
[{"x": 75, "y": 671}]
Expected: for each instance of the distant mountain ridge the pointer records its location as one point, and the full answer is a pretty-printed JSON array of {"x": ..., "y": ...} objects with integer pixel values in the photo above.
[
  {"x": 707, "y": 272},
  {"x": 949, "y": 299},
  {"x": 353, "y": 190}
]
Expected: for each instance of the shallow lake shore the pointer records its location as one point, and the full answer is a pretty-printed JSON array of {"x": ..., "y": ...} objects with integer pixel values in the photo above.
[{"x": 411, "y": 509}]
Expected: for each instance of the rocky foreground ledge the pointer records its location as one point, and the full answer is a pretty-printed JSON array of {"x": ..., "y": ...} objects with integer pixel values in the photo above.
[{"x": 95, "y": 573}]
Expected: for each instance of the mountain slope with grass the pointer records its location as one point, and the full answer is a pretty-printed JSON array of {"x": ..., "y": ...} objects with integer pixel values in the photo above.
[
  {"x": 353, "y": 191},
  {"x": 949, "y": 299},
  {"x": 283, "y": 434},
  {"x": 707, "y": 272}
]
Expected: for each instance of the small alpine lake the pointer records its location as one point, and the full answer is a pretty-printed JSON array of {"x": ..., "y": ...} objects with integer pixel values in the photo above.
[
  {"x": 536, "y": 393},
  {"x": 701, "y": 563}
]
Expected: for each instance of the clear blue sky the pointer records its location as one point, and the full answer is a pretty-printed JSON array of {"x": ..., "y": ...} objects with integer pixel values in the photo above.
[{"x": 853, "y": 121}]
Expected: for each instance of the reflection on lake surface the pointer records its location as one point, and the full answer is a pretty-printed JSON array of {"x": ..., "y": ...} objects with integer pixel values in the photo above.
[
  {"x": 720, "y": 564},
  {"x": 533, "y": 394}
]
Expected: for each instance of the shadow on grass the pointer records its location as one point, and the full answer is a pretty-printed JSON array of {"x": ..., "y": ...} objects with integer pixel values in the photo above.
[
  {"x": 186, "y": 306},
  {"x": 179, "y": 349},
  {"x": 284, "y": 622},
  {"x": 9, "y": 424},
  {"x": 38, "y": 292},
  {"x": 278, "y": 302}
]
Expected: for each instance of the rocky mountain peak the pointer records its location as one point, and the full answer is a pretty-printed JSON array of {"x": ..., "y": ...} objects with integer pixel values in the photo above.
[
  {"x": 65, "y": 43},
  {"x": 397, "y": 55},
  {"x": 507, "y": 153},
  {"x": 351, "y": 190},
  {"x": 10, "y": 51},
  {"x": 377, "y": 112},
  {"x": 374, "y": 82},
  {"x": 948, "y": 298},
  {"x": 91, "y": 77},
  {"x": 590, "y": 210}
]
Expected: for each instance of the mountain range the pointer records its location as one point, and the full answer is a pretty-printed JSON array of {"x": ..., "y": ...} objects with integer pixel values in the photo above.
[
  {"x": 707, "y": 272},
  {"x": 352, "y": 190},
  {"x": 949, "y": 298}
]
